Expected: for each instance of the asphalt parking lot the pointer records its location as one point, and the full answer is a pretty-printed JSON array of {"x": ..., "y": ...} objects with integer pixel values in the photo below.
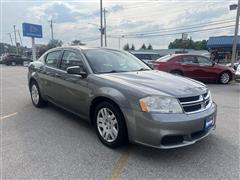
[{"x": 51, "y": 143}]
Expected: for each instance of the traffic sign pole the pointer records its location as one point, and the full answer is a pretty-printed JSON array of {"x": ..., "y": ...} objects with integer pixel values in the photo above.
[{"x": 33, "y": 49}]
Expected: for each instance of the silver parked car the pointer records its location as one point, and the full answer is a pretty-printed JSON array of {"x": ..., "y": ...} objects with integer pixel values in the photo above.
[{"x": 122, "y": 97}]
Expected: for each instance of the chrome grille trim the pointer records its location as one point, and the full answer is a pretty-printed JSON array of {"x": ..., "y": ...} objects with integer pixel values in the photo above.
[{"x": 204, "y": 102}]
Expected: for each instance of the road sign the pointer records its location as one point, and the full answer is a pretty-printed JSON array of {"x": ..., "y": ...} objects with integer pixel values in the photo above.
[{"x": 32, "y": 30}]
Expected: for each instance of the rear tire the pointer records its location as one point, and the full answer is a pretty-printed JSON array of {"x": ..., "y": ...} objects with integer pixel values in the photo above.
[
  {"x": 36, "y": 96},
  {"x": 110, "y": 125},
  {"x": 225, "y": 77}
]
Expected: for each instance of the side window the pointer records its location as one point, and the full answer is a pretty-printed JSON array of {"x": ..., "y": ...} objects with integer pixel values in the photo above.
[
  {"x": 203, "y": 61},
  {"x": 52, "y": 58},
  {"x": 70, "y": 59},
  {"x": 189, "y": 60},
  {"x": 139, "y": 56}
]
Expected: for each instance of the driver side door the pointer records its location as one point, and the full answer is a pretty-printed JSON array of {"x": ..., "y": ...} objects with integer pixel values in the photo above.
[
  {"x": 74, "y": 88},
  {"x": 206, "y": 69}
]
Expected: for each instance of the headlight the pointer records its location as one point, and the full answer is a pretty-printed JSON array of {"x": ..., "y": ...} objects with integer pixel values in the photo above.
[{"x": 161, "y": 104}]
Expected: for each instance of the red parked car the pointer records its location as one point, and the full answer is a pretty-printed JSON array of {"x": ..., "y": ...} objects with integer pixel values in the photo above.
[{"x": 195, "y": 66}]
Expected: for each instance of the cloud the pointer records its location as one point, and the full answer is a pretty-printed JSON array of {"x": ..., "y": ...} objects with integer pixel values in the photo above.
[{"x": 60, "y": 12}]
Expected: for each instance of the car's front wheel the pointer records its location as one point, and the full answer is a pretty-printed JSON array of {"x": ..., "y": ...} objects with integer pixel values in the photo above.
[
  {"x": 36, "y": 97},
  {"x": 110, "y": 125},
  {"x": 13, "y": 63},
  {"x": 225, "y": 78}
]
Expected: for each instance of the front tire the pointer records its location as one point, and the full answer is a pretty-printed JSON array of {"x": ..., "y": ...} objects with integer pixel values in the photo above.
[
  {"x": 225, "y": 78},
  {"x": 13, "y": 63},
  {"x": 36, "y": 97},
  {"x": 110, "y": 125}
]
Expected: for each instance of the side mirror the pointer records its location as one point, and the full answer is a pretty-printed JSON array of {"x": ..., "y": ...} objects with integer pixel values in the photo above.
[{"x": 77, "y": 70}]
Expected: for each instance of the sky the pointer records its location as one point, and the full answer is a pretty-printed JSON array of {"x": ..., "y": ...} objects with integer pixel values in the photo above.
[{"x": 157, "y": 22}]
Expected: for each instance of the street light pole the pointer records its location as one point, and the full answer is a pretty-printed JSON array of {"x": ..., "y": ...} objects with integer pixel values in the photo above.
[
  {"x": 105, "y": 26},
  {"x": 101, "y": 24},
  {"x": 15, "y": 36},
  {"x": 51, "y": 27},
  {"x": 235, "y": 39}
]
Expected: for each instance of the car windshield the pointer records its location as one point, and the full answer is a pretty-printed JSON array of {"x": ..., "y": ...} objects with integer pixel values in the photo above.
[{"x": 113, "y": 61}]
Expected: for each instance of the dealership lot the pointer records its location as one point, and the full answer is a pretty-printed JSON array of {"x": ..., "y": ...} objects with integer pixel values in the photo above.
[{"x": 52, "y": 143}]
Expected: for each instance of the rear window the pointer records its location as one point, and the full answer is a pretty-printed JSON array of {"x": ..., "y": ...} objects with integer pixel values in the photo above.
[{"x": 165, "y": 58}]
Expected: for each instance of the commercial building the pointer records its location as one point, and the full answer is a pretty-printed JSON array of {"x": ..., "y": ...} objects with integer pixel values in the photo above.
[{"x": 223, "y": 44}]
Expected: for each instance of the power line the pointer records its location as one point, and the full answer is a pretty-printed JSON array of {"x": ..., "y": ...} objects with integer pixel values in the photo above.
[
  {"x": 181, "y": 28},
  {"x": 193, "y": 31}
]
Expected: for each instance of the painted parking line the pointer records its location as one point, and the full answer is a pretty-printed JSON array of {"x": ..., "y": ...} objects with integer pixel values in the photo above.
[
  {"x": 7, "y": 116},
  {"x": 119, "y": 165}
]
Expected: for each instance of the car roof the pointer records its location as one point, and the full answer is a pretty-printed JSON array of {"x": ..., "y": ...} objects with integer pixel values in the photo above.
[
  {"x": 142, "y": 52},
  {"x": 82, "y": 48}
]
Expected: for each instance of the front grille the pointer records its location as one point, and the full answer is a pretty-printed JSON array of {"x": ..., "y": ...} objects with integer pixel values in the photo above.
[
  {"x": 172, "y": 140},
  {"x": 195, "y": 103}
]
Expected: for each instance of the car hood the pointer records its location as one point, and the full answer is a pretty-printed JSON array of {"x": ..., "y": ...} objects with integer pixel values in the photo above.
[{"x": 157, "y": 83}]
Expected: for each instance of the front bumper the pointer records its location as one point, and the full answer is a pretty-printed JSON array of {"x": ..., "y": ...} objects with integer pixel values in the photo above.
[
  {"x": 237, "y": 77},
  {"x": 170, "y": 130}
]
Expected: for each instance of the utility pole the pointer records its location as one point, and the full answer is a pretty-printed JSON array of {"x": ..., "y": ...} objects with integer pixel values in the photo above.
[
  {"x": 119, "y": 41},
  {"x": 51, "y": 26},
  {"x": 101, "y": 24},
  {"x": 234, "y": 48},
  {"x": 14, "y": 28},
  {"x": 20, "y": 37},
  {"x": 10, "y": 38},
  {"x": 105, "y": 26}
]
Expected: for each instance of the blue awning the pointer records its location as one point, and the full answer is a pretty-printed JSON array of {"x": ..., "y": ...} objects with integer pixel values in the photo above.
[{"x": 222, "y": 42}]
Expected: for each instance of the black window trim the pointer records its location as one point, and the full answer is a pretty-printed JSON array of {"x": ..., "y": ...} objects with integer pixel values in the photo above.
[
  {"x": 59, "y": 58},
  {"x": 79, "y": 55}
]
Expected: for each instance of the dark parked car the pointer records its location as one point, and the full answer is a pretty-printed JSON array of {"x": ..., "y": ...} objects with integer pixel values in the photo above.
[
  {"x": 147, "y": 57},
  {"x": 195, "y": 66},
  {"x": 122, "y": 97},
  {"x": 14, "y": 59}
]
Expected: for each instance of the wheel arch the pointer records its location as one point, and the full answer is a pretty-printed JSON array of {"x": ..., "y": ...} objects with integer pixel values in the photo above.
[
  {"x": 177, "y": 70},
  {"x": 99, "y": 99},
  {"x": 228, "y": 71}
]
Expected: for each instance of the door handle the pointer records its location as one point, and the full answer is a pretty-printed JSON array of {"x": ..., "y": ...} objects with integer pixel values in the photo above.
[{"x": 58, "y": 75}]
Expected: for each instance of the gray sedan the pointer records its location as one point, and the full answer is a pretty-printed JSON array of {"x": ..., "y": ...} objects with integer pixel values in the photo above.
[{"x": 122, "y": 97}]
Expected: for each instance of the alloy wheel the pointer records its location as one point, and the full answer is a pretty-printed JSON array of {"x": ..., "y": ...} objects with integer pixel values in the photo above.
[
  {"x": 107, "y": 125},
  {"x": 225, "y": 78},
  {"x": 35, "y": 94}
]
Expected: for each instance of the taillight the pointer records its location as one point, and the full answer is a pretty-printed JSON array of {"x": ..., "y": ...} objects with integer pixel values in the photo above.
[{"x": 158, "y": 65}]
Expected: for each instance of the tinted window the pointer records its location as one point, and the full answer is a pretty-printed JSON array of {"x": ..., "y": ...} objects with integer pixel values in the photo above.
[
  {"x": 143, "y": 56},
  {"x": 105, "y": 61},
  {"x": 203, "y": 61},
  {"x": 70, "y": 59},
  {"x": 53, "y": 58},
  {"x": 189, "y": 60},
  {"x": 154, "y": 56}
]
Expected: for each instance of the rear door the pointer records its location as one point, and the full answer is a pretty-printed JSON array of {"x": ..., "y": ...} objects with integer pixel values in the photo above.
[
  {"x": 206, "y": 72},
  {"x": 50, "y": 75}
]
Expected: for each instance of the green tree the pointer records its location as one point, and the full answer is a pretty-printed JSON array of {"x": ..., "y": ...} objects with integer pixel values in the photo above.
[
  {"x": 143, "y": 47},
  {"x": 188, "y": 44},
  {"x": 126, "y": 47},
  {"x": 150, "y": 47},
  {"x": 77, "y": 42},
  {"x": 133, "y": 47},
  {"x": 54, "y": 43}
]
